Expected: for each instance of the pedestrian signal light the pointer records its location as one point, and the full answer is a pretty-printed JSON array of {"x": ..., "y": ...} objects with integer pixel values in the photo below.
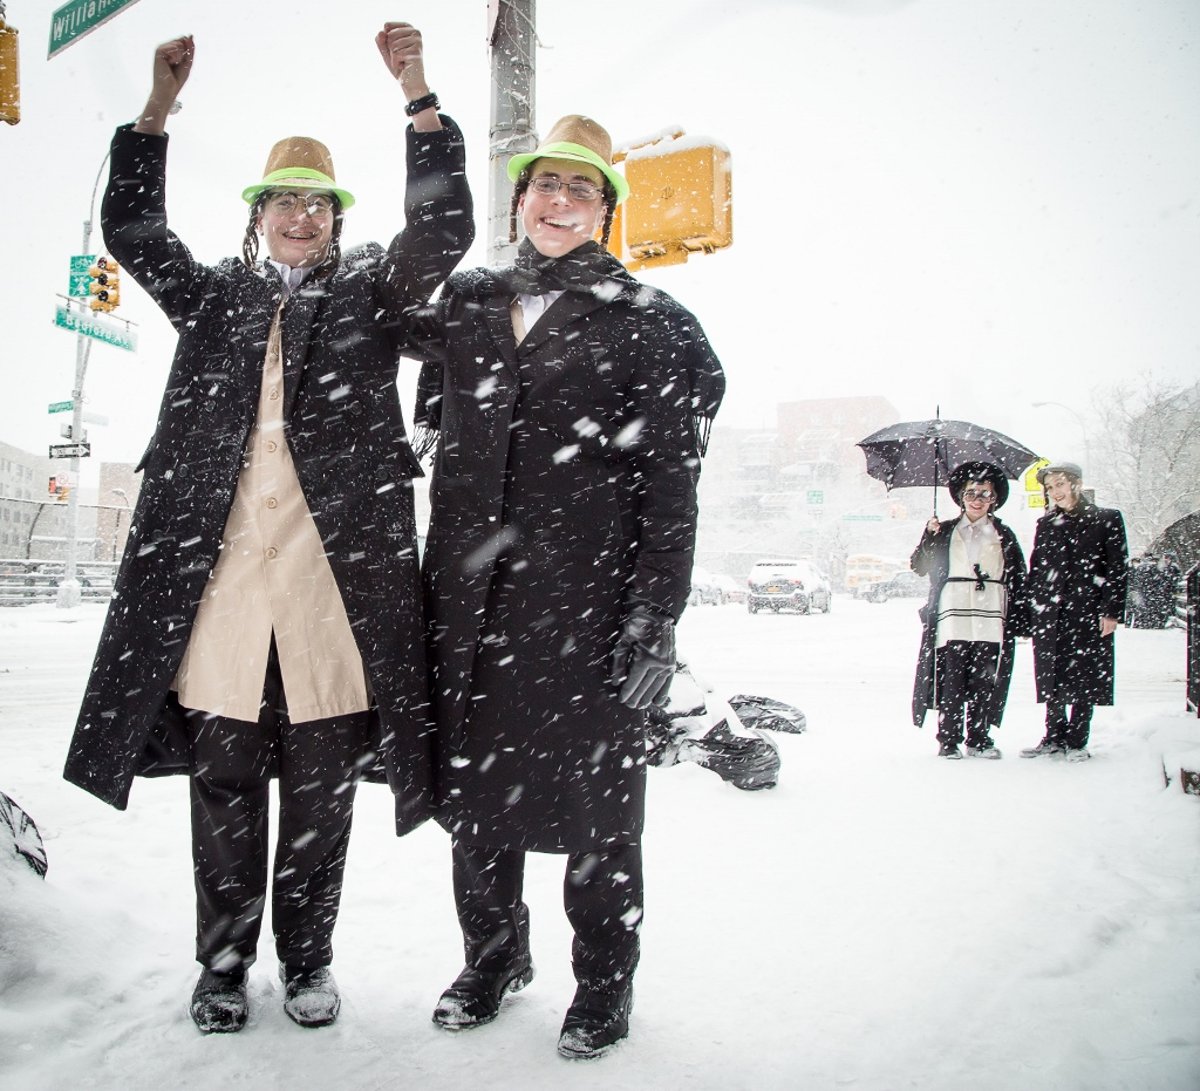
[
  {"x": 106, "y": 284},
  {"x": 680, "y": 202},
  {"x": 10, "y": 73}
]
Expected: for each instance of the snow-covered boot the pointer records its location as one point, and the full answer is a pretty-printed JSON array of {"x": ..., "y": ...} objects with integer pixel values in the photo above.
[
  {"x": 474, "y": 997},
  {"x": 219, "y": 1002},
  {"x": 597, "y": 1019},
  {"x": 949, "y": 750},
  {"x": 310, "y": 997},
  {"x": 1043, "y": 749}
]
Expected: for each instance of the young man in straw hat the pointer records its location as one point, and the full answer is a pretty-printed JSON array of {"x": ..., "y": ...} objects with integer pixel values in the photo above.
[
  {"x": 266, "y": 617},
  {"x": 572, "y": 405}
]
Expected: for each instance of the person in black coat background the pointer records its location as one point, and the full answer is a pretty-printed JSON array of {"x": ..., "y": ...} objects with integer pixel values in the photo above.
[
  {"x": 266, "y": 619},
  {"x": 571, "y": 404},
  {"x": 975, "y": 611},
  {"x": 1077, "y": 586}
]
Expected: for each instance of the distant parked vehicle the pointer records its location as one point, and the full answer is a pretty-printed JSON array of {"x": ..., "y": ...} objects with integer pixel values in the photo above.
[
  {"x": 705, "y": 589},
  {"x": 866, "y": 570},
  {"x": 784, "y": 584},
  {"x": 731, "y": 590},
  {"x": 903, "y": 585}
]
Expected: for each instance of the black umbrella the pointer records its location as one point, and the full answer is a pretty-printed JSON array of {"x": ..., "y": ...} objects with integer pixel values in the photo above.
[{"x": 923, "y": 452}]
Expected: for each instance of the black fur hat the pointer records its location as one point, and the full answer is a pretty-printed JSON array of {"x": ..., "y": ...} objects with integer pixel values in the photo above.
[{"x": 978, "y": 471}]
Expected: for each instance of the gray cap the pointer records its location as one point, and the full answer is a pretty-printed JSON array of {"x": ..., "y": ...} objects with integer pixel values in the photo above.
[{"x": 1071, "y": 469}]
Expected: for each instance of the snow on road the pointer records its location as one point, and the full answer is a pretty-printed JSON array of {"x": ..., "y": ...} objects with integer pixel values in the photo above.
[{"x": 882, "y": 920}]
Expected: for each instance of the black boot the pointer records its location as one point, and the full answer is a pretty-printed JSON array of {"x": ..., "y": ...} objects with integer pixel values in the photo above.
[
  {"x": 219, "y": 1002},
  {"x": 310, "y": 997},
  {"x": 597, "y": 1019},
  {"x": 475, "y": 996}
]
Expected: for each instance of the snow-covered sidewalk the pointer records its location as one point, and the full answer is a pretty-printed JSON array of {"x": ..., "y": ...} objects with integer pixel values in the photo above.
[{"x": 881, "y": 920}]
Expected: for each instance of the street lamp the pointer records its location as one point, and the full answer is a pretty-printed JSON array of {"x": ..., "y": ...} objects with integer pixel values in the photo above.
[{"x": 1083, "y": 431}]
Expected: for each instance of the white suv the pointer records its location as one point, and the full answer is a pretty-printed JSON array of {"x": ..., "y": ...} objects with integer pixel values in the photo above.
[{"x": 788, "y": 585}]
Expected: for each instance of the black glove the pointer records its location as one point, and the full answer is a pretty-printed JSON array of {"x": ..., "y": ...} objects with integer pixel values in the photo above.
[{"x": 643, "y": 661}]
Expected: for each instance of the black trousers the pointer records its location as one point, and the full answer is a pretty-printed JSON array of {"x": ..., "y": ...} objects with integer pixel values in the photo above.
[
  {"x": 966, "y": 678},
  {"x": 602, "y": 893},
  {"x": 1069, "y": 729},
  {"x": 232, "y": 765}
]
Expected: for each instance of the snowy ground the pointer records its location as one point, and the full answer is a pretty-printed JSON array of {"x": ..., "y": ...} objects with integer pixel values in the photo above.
[{"x": 881, "y": 920}]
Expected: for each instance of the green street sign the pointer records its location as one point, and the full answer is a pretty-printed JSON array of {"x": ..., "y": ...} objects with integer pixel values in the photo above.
[
  {"x": 79, "y": 17},
  {"x": 61, "y": 407},
  {"x": 81, "y": 279},
  {"x": 90, "y": 326},
  {"x": 816, "y": 496}
]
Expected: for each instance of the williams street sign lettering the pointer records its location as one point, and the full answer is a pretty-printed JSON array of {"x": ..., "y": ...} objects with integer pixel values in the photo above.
[
  {"x": 111, "y": 333},
  {"x": 79, "y": 17},
  {"x": 61, "y": 407}
]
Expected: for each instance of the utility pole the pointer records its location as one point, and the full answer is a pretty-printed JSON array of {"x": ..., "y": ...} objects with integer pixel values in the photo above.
[
  {"x": 512, "y": 36},
  {"x": 69, "y": 594}
]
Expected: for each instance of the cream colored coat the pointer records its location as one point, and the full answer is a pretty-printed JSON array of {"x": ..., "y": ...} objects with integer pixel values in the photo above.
[{"x": 272, "y": 577}]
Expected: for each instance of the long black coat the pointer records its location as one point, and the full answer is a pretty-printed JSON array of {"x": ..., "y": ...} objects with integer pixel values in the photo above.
[
  {"x": 1077, "y": 575},
  {"x": 347, "y": 438},
  {"x": 932, "y": 558},
  {"x": 564, "y": 492}
]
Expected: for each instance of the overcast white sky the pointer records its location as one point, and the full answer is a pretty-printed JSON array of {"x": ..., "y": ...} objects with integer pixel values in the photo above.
[{"x": 973, "y": 205}]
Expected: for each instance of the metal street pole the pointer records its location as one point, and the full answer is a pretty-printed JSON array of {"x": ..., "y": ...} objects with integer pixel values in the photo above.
[
  {"x": 69, "y": 593},
  {"x": 513, "y": 37}
]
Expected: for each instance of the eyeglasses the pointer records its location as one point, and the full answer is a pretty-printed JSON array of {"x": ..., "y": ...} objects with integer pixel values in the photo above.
[
  {"x": 978, "y": 494},
  {"x": 580, "y": 191},
  {"x": 315, "y": 204}
]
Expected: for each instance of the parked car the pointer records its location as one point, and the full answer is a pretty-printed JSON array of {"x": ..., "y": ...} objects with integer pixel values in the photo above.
[
  {"x": 731, "y": 590},
  {"x": 903, "y": 585},
  {"x": 788, "y": 585},
  {"x": 705, "y": 589}
]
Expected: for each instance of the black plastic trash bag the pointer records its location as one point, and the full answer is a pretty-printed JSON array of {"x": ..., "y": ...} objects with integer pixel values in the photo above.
[
  {"x": 767, "y": 714},
  {"x": 21, "y": 831},
  {"x": 696, "y": 725}
]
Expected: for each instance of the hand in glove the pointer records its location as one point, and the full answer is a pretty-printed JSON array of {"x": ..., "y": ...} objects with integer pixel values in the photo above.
[{"x": 644, "y": 659}]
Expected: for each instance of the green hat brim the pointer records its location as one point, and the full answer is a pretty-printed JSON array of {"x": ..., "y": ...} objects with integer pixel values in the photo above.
[
  {"x": 297, "y": 178},
  {"x": 575, "y": 152}
]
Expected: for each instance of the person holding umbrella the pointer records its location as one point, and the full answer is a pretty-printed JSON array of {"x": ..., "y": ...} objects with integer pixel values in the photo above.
[
  {"x": 975, "y": 611},
  {"x": 1077, "y": 582}
]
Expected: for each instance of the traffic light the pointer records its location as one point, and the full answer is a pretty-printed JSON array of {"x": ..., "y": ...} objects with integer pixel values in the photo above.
[
  {"x": 106, "y": 284},
  {"x": 680, "y": 202},
  {"x": 10, "y": 73}
]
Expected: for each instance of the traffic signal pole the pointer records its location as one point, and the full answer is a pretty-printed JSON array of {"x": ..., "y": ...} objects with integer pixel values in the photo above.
[
  {"x": 69, "y": 593},
  {"x": 512, "y": 38}
]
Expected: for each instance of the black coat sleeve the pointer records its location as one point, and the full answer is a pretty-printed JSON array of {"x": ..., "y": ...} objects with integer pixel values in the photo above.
[
  {"x": 133, "y": 217},
  {"x": 439, "y": 215}
]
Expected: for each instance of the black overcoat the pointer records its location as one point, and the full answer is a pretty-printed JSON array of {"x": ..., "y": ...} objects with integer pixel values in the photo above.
[
  {"x": 932, "y": 558},
  {"x": 563, "y": 493},
  {"x": 348, "y": 443},
  {"x": 1077, "y": 575}
]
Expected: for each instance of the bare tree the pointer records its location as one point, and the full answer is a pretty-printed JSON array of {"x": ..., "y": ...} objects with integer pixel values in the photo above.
[{"x": 1149, "y": 462}]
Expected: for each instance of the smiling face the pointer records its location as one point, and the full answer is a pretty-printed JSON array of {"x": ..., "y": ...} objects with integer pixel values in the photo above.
[
  {"x": 1062, "y": 490},
  {"x": 558, "y": 223},
  {"x": 297, "y": 232},
  {"x": 977, "y": 499}
]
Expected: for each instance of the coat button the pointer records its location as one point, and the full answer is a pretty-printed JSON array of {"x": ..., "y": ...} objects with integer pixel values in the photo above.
[
  {"x": 382, "y": 473},
  {"x": 272, "y": 553},
  {"x": 272, "y": 502},
  {"x": 182, "y": 469}
]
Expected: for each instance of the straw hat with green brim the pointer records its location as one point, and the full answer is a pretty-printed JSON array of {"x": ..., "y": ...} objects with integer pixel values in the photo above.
[
  {"x": 298, "y": 163},
  {"x": 580, "y": 140}
]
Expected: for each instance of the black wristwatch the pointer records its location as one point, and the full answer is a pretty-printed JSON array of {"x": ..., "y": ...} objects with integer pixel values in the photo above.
[{"x": 423, "y": 103}]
